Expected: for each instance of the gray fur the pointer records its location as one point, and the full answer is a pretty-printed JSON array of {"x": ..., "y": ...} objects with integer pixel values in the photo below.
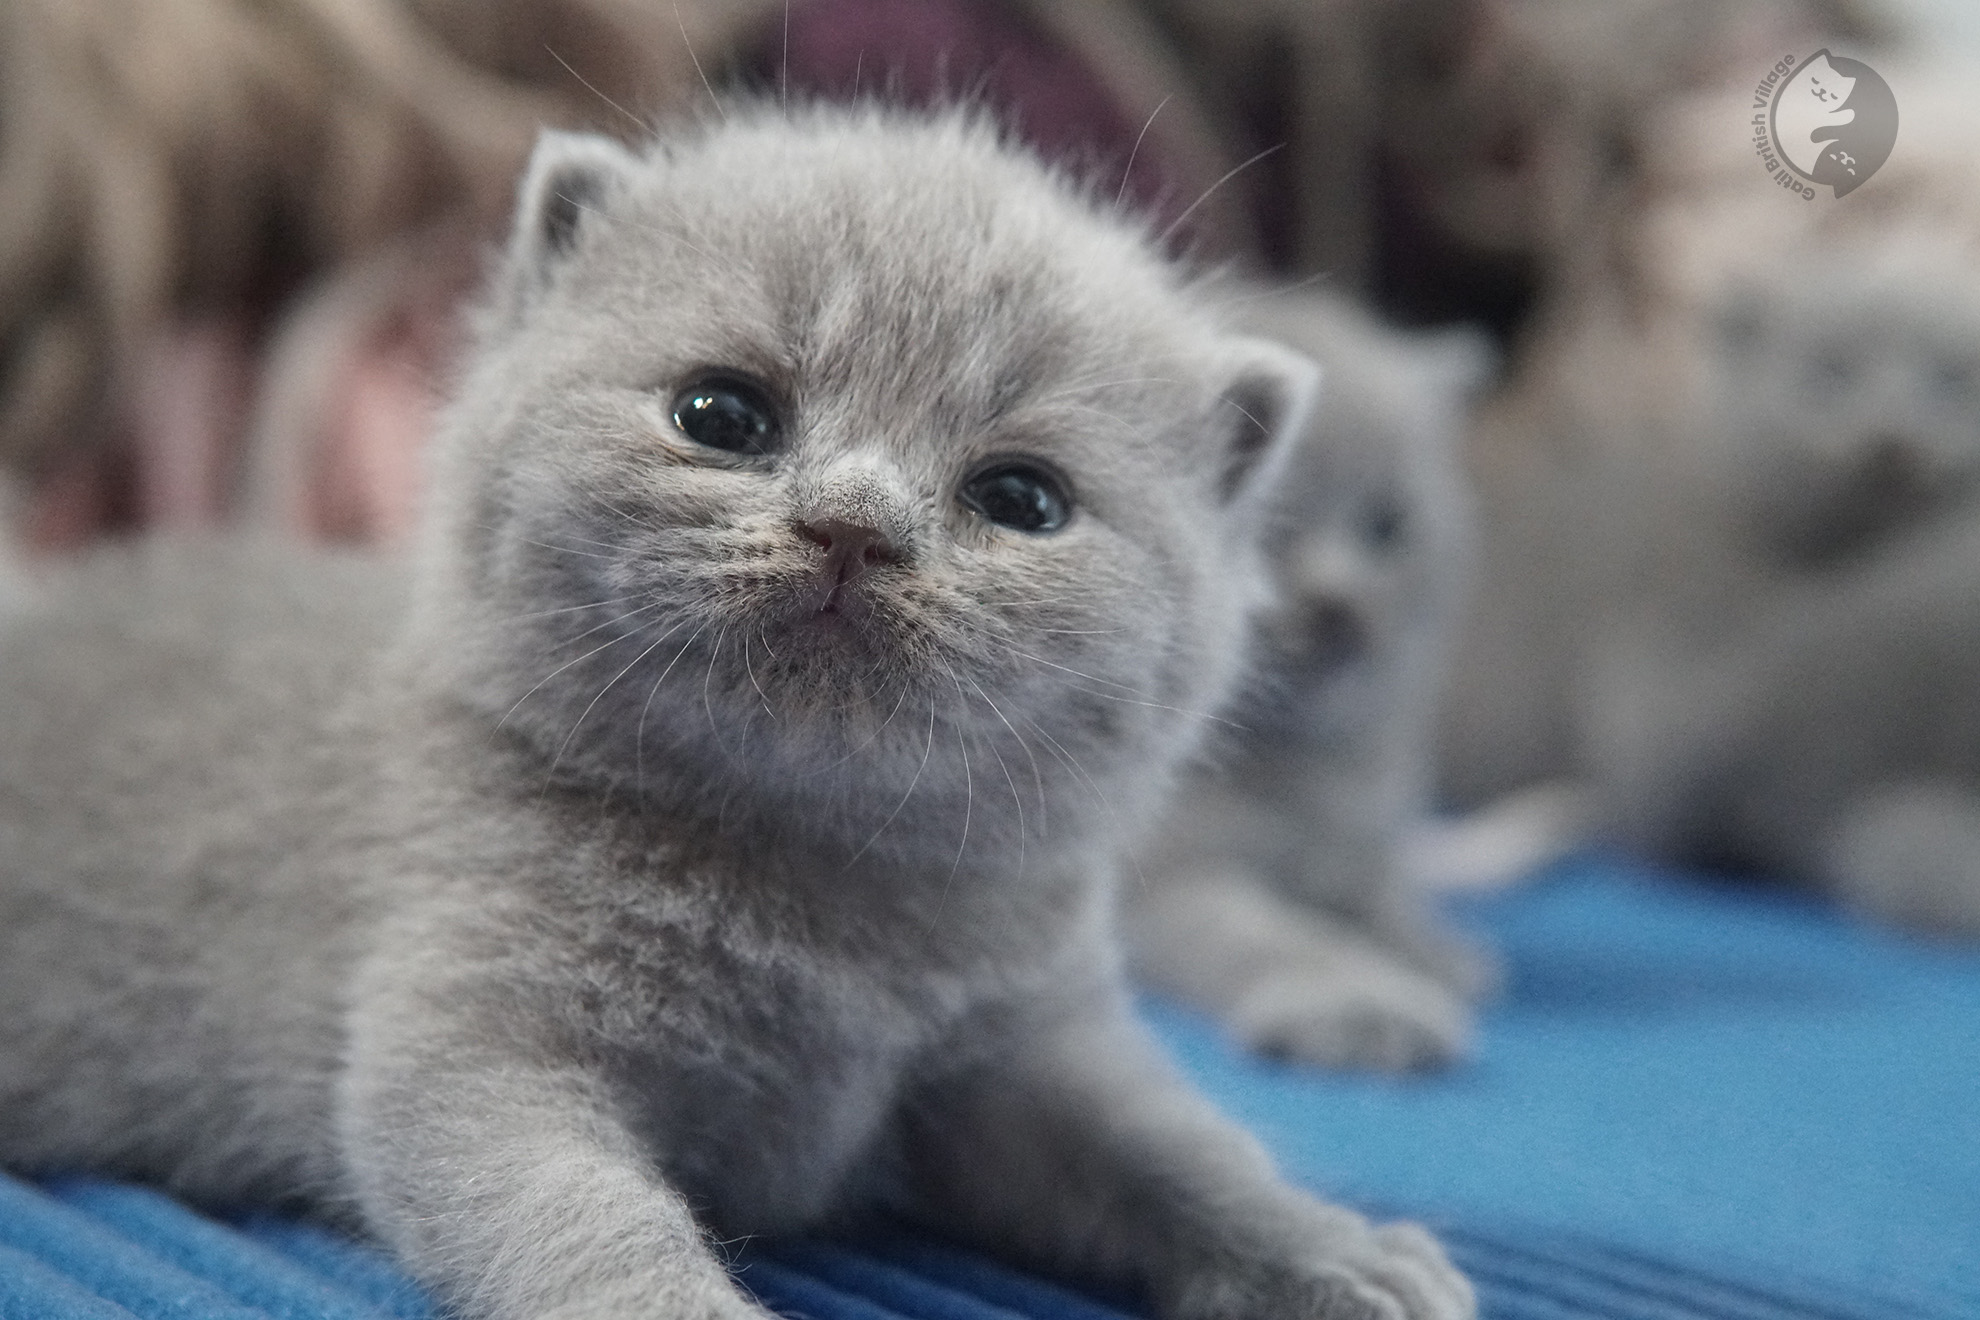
[
  {"x": 1828, "y": 731},
  {"x": 1792, "y": 685},
  {"x": 1277, "y": 896},
  {"x": 577, "y": 892}
]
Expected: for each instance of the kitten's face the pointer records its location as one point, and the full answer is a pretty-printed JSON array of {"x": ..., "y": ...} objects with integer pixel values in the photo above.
[
  {"x": 837, "y": 461},
  {"x": 1371, "y": 533},
  {"x": 1851, "y": 405}
]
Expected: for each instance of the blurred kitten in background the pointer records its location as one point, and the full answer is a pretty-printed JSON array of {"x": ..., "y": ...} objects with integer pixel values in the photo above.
[
  {"x": 1797, "y": 686},
  {"x": 1730, "y": 524},
  {"x": 1277, "y": 896}
]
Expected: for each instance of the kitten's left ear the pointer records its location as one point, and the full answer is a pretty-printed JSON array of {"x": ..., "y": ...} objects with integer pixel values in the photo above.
[
  {"x": 1271, "y": 396},
  {"x": 570, "y": 178}
]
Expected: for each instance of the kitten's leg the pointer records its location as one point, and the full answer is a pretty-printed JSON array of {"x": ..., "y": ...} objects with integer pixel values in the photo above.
[
  {"x": 1079, "y": 1149},
  {"x": 1910, "y": 853},
  {"x": 1287, "y": 979},
  {"x": 504, "y": 1179}
]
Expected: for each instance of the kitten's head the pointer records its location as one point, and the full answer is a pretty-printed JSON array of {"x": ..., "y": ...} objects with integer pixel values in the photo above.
[
  {"x": 1370, "y": 525},
  {"x": 811, "y": 466},
  {"x": 1850, "y": 403}
]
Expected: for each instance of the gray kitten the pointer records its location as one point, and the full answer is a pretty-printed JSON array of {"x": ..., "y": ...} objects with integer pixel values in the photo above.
[
  {"x": 1278, "y": 895},
  {"x": 1794, "y": 686},
  {"x": 710, "y": 833}
]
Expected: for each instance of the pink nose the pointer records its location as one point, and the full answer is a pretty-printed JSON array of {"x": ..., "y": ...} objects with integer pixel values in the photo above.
[{"x": 850, "y": 548}]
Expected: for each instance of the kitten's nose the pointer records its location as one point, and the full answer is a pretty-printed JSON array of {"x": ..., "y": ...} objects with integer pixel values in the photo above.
[
  {"x": 850, "y": 548},
  {"x": 1336, "y": 634}
]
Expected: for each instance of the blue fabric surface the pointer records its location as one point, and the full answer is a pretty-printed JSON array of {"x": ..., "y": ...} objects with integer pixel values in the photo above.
[
  {"x": 1737, "y": 1080},
  {"x": 1695, "y": 1103}
]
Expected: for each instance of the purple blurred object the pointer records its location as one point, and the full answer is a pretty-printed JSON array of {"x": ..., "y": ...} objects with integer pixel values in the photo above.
[{"x": 928, "y": 52}]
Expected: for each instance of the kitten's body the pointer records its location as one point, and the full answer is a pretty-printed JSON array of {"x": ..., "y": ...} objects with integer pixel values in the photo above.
[
  {"x": 696, "y": 838},
  {"x": 1277, "y": 894}
]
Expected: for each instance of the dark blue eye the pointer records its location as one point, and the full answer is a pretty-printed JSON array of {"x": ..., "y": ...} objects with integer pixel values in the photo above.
[
  {"x": 729, "y": 414},
  {"x": 1021, "y": 496}
]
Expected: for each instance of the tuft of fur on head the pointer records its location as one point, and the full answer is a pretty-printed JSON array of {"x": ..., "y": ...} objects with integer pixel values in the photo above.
[{"x": 914, "y": 301}]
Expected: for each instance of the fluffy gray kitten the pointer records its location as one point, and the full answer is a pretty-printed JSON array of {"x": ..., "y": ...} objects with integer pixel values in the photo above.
[
  {"x": 1795, "y": 685},
  {"x": 1278, "y": 895},
  {"x": 711, "y": 832}
]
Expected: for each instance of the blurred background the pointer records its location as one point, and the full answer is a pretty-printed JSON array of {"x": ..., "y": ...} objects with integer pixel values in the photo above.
[{"x": 1725, "y": 470}]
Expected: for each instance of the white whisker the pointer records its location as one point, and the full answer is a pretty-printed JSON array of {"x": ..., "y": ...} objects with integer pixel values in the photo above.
[
  {"x": 1093, "y": 788},
  {"x": 750, "y": 669},
  {"x": 599, "y": 627},
  {"x": 564, "y": 549},
  {"x": 568, "y": 663},
  {"x": 905, "y": 796},
  {"x": 569, "y": 609},
  {"x": 707, "y": 679},
  {"x": 696, "y": 61},
  {"x": 644, "y": 127},
  {"x": 1037, "y": 779},
  {"x": 969, "y": 803},
  {"x": 1135, "y": 150},
  {"x": 639, "y": 733},
  {"x": 1091, "y": 678},
  {"x": 1156, "y": 705},
  {"x": 1232, "y": 173},
  {"x": 1016, "y": 799},
  {"x": 870, "y": 738},
  {"x": 585, "y": 713}
]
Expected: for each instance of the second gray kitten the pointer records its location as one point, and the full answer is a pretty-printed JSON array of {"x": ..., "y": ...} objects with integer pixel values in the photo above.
[
  {"x": 711, "y": 831},
  {"x": 1278, "y": 895},
  {"x": 1795, "y": 685}
]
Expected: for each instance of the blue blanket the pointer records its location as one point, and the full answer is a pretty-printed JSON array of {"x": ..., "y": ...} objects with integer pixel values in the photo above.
[{"x": 1694, "y": 1103}]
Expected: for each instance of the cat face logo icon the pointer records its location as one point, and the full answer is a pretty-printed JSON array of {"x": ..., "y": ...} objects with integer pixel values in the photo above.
[{"x": 1823, "y": 120}]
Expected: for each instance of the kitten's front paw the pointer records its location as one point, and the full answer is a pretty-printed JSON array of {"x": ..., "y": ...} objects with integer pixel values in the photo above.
[
  {"x": 1373, "y": 1015},
  {"x": 1466, "y": 968},
  {"x": 1394, "y": 1272}
]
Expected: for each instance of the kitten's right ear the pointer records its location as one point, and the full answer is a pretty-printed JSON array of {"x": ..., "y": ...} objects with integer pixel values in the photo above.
[{"x": 570, "y": 179}]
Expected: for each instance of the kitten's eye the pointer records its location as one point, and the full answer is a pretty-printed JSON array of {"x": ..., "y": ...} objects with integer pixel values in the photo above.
[
  {"x": 1383, "y": 523},
  {"x": 1021, "y": 496},
  {"x": 726, "y": 413}
]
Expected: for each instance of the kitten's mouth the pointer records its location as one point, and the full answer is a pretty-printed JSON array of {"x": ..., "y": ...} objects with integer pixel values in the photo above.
[{"x": 832, "y": 605}]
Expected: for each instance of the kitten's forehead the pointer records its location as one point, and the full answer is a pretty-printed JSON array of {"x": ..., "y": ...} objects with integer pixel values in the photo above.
[{"x": 926, "y": 254}]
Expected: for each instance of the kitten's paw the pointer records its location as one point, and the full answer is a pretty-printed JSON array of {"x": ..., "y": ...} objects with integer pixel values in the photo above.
[
  {"x": 1373, "y": 1015},
  {"x": 1395, "y": 1272},
  {"x": 1468, "y": 969},
  {"x": 1910, "y": 854}
]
